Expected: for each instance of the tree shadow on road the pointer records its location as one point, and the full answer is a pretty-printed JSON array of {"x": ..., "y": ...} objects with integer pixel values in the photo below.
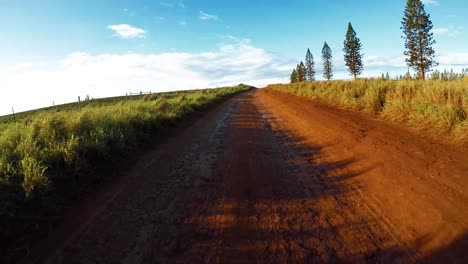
[{"x": 275, "y": 198}]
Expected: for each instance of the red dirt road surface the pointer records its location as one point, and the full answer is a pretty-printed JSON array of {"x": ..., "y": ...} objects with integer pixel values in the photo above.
[{"x": 273, "y": 178}]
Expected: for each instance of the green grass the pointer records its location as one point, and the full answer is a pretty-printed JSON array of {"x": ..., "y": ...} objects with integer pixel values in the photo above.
[
  {"x": 49, "y": 156},
  {"x": 42, "y": 143},
  {"x": 433, "y": 107},
  {"x": 92, "y": 103}
]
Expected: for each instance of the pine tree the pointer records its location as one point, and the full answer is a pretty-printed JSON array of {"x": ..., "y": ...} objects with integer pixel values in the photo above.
[
  {"x": 387, "y": 76},
  {"x": 452, "y": 75},
  {"x": 352, "y": 49},
  {"x": 417, "y": 27},
  {"x": 310, "y": 66},
  {"x": 294, "y": 76},
  {"x": 435, "y": 75},
  {"x": 327, "y": 61},
  {"x": 298, "y": 73},
  {"x": 301, "y": 71},
  {"x": 304, "y": 71}
]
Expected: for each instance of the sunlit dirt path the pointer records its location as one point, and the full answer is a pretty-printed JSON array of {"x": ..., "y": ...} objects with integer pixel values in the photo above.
[{"x": 272, "y": 178}]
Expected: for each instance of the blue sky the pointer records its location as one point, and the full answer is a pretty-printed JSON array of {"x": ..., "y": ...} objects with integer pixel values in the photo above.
[{"x": 59, "y": 49}]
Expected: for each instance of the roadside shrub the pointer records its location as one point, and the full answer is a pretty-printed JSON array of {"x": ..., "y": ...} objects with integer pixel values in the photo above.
[{"x": 33, "y": 173}]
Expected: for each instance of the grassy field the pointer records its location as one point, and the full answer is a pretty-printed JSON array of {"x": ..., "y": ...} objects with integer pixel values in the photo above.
[
  {"x": 45, "y": 154},
  {"x": 432, "y": 107}
]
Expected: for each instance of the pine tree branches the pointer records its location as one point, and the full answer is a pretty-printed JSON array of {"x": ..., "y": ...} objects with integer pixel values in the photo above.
[
  {"x": 352, "y": 52},
  {"x": 417, "y": 27},
  {"x": 327, "y": 62},
  {"x": 310, "y": 66}
]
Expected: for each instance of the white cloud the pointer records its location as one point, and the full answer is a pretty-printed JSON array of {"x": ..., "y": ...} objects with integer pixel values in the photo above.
[
  {"x": 205, "y": 16},
  {"x": 103, "y": 75},
  {"x": 167, "y": 4},
  {"x": 126, "y": 31},
  {"x": 174, "y": 3},
  {"x": 452, "y": 58},
  {"x": 182, "y": 23},
  {"x": 431, "y": 2},
  {"x": 451, "y": 31},
  {"x": 440, "y": 31},
  {"x": 384, "y": 61}
]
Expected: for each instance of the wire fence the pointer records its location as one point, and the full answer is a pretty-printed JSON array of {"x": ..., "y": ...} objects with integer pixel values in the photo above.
[{"x": 87, "y": 98}]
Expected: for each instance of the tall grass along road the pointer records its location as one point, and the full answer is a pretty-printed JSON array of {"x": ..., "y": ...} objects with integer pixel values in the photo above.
[
  {"x": 433, "y": 107},
  {"x": 272, "y": 177},
  {"x": 50, "y": 157}
]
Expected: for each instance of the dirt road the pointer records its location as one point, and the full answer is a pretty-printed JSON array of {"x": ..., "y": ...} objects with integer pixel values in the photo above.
[{"x": 272, "y": 178}]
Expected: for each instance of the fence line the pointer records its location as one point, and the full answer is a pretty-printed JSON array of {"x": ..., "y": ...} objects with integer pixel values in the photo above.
[
  {"x": 140, "y": 93},
  {"x": 86, "y": 99}
]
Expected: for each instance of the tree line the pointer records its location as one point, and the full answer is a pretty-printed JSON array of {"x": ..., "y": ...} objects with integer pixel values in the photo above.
[
  {"x": 417, "y": 32},
  {"x": 435, "y": 75}
]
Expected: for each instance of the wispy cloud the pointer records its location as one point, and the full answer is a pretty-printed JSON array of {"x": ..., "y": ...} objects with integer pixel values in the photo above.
[
  {"x": 182, "y": 23},
  {"x": 450, "y": 31},
  {"x": 129, "y": 13},
  {"x": 452, "y": 58},
  {"x": 179, "y": 3},
  {"x": 371, "y": 61},
  {"x": 127, "y": 32},
  {"x": 431, "y": 2},
  {"x": 205, "y": 16},
  {"x": 236, "y": 39},
  {"x": 167, "y": 4},
  {"x": 440, "y": 31},
  {"x": 111, "y": 74}
]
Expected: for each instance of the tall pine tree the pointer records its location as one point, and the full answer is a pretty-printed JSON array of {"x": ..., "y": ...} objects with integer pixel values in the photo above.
[
  {"x": 417, "y": 27},
  {"x": 352, "y": 52},
  {"x": 310, "y": 66},
  {"x": 327, "y": 61},
  {"x": 294, "y": 76}
]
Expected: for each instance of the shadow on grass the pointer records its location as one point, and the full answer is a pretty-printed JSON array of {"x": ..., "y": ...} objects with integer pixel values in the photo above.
[{"x": 24, "y": 221}]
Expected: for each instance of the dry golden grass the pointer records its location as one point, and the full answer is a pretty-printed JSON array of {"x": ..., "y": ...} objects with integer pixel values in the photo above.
[{"x": 434, "y": 107}]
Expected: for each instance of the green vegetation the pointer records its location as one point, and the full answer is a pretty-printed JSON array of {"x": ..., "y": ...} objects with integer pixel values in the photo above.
[
  {"x": 417, "y": 31},
  {"x": 301, "y": 72},
  {"x": 327, "y": 60},
  {"x": 417, "y": 27},
  {"x": 304, "y": 72},
  {"x": 43, "y": 143},
  {"x": 310, "y": 66},
  {"x": 293, "y": 76},
  {"x": 51, "y": 157},
  {"x": 434, "y": 107},
  {"x": 352, "y": 52}
]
